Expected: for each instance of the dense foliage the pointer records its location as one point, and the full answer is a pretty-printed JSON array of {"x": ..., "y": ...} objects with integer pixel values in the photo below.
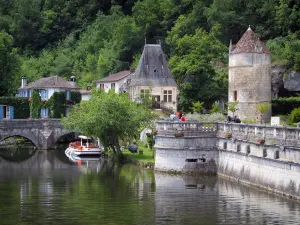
[
  {"x": 20, "y": 104},
  {"x": 35, "y": 105},
  {"x": 283, "y": 106},
  {"x": 294, "y": 116},
  {"x": 56, "y": 105},
  {"x": 90, "y": 39},
  {"x": 110, "y": 117}
]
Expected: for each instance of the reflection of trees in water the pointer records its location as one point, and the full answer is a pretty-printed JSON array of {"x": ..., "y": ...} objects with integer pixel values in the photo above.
[{"x": 17, "y": 154}]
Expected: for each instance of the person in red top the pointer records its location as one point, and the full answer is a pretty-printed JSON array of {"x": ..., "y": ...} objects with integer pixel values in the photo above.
[{"x": 182, "y": 119}]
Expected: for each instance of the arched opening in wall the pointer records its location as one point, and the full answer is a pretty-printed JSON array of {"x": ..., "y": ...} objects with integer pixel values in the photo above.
[
  {"x": 65, "y": 139},
  {"x": 235, "y": 97},
  {"x": 16, "y": 148}
]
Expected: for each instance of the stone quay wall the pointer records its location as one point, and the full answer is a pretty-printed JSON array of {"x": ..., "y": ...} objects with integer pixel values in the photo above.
[{"x": 234, "y": 151}]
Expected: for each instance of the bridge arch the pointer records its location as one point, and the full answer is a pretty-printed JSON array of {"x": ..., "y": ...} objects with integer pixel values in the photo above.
[
  {"x": 21, "y": 134},
  {"x": 64, "y": 133}
]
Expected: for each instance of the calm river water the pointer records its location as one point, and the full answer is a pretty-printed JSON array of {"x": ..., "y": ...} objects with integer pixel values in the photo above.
[{"x": 45, "y": 187}]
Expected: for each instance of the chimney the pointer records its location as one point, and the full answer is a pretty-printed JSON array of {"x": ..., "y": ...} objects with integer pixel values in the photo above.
[
  {"x": 73, "y": 80},
  {"x": 23, "y": 82}
]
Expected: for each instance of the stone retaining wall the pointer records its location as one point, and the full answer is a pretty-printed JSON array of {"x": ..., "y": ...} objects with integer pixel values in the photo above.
[{"x": 274, "y": 165}]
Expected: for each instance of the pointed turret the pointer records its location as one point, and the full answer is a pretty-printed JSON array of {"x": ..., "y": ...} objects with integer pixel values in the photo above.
[{"x": 250, "y": 43}]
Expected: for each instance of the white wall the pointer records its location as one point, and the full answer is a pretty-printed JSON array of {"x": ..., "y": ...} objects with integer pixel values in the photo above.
[{"x": 107, "y": 85}]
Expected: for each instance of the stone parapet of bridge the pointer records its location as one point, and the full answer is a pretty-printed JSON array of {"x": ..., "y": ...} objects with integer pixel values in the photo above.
[{"x": 43, "y": 133}]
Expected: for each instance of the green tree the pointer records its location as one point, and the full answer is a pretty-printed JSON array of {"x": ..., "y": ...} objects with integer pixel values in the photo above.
[
  {"x": 262, "y": 108},
  {"x": 9, "y": 65},
  {"x": 232, "y": 106},
  {"x": 110, "y": 117},
  {"x": 193, "y": 68}
]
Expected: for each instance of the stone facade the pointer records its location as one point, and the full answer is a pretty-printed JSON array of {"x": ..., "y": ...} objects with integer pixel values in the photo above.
[
  {"x": 153, "y": 75},
  {"x": 42, "y": 133},
  {"x": 249, "y": 76}
]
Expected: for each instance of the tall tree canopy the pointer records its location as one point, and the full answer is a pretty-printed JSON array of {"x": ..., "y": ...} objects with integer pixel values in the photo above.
[
  {"x": 9, "y": 64},
  {"x": 92, "y": 38},
  {"x": 193, "y": 68}
]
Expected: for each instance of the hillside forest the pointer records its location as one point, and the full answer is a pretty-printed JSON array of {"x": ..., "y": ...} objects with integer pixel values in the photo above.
[{"x": 90, "y": 39}]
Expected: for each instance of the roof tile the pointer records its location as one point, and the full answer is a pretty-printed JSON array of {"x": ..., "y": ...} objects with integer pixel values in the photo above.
[{"x": 250, "y": 43}]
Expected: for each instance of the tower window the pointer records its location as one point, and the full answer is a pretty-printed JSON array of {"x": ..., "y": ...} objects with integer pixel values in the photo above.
[{"x": 235, "y": 95}]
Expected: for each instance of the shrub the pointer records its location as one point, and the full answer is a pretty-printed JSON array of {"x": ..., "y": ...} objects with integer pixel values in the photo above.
[
  {"x": 215, "y": 108},
  {"x": 197, "y": 106},
  {"x": 214, "y": 117},
  {"x": 294, "y": 117},
  {"x": 252, "y": 121},
  {"x": 281, "y": 106}
]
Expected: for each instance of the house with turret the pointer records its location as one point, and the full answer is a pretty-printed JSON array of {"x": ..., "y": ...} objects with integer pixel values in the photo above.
[
  {"x": 249, "y": 76},
  {"x": 152, "y": 76}
]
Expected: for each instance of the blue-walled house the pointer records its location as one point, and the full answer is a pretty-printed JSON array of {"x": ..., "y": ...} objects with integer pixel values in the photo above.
[{"x": 47, "y": 87}]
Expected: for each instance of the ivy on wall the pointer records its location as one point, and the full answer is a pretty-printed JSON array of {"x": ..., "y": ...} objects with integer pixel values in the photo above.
[
  {"x": 35, "y": 105},
  {"x": 20, "y": 104},
  {"x": 75, "y": 97},
  {"x": 56, "y": 105}
]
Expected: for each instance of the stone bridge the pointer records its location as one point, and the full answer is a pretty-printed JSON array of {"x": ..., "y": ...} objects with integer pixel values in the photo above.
[{"x": 43, "y": 133}]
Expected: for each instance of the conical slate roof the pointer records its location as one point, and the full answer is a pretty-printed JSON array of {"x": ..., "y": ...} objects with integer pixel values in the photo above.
[
  {"x": 250, "y": 43},
  {"x": 153, "y": 69}
]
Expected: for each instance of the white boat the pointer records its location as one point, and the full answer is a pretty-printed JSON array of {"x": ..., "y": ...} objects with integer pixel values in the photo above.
[{"x": 84, "y": 147}]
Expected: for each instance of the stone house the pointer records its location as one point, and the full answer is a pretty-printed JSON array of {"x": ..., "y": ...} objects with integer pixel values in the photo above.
[
  {"x": 153, "y": 76},
  {"x": 249, "y": 76},
  {"x": 47, "y": 86},
  {"x": 117, "y": 81}
]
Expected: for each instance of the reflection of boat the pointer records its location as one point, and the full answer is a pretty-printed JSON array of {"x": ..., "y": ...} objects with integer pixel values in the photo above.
[{"x": 84, "y": 147}]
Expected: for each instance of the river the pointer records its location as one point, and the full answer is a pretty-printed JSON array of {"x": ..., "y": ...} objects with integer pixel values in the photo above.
[{"x": 45, "y": 187}]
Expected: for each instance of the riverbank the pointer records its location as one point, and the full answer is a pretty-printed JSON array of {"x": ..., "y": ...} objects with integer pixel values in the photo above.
[{"x": 144, "y": 157}]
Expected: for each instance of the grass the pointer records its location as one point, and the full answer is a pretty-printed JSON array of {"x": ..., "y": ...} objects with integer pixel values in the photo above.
[{"x": 146, "y": 157}]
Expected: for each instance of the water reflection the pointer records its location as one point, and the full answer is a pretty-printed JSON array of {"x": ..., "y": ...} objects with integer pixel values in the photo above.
[{"x": 47, "y": 188}]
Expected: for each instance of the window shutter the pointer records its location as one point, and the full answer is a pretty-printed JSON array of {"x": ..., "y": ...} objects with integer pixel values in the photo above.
[
  {"x": 11, "y": 112},
  {"x": 1, "y": 112}
]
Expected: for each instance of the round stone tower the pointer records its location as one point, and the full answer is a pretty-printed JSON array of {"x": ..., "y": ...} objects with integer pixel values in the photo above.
[{"x": 249, "y": 76}]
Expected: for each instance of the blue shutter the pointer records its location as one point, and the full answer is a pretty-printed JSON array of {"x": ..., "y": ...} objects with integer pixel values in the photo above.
[
  {"x": 46, "y": 94},
  {"x": 41, "y": 113},
  {"x": 1, "y": 112},
  {"x": 11, "y": 112},
  {"x": 47, "y": 112}
]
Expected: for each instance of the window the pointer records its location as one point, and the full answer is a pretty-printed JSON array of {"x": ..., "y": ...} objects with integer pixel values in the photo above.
[
  {"x": 167, "y": 95},
  {"x": 43, "y": 94},
  {"x": 68, "y": 97},
  {"x": 235, "y": 95},
  {"x": 144, "y": 92},
  {"x": 101, "y": 86},
  {"x": 113, "y": 85}
]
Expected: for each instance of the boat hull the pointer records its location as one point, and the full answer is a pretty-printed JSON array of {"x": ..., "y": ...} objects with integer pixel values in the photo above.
[{"x": 85, "y": 152}]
